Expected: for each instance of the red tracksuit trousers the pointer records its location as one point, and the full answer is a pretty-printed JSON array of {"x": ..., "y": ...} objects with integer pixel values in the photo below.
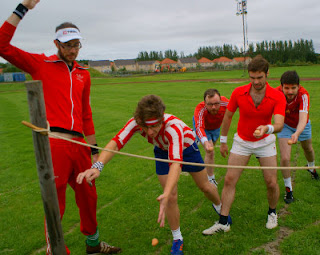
[{"x": 69, "y": 159}]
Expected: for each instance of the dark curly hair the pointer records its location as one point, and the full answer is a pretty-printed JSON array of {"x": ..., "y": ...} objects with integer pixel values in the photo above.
[{"x": 150, "y": 106}]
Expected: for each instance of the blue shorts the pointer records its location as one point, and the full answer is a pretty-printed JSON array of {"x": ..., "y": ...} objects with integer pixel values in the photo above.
[
  {"x": 211, "y": 134},
  {"x": 190, "y": 154},
  {"x": 287, "y": 131}
]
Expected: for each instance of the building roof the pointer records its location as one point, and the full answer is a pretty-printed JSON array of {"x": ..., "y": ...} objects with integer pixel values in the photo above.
[
  {"x": 222, "y": 59},
  {"x": 148, "y": 62},
  {"x": 204, "y": 60},
  {"x": 125, "y": 62},
  {"x": 99, "y": 63},
  {"x": 188, "y": 60},
  {"x": 168, "y": 61},
  {"x": 241, "y": 59}
]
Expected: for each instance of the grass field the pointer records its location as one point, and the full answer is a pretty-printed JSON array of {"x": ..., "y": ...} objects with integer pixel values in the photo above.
[{"x": 128, "y": 187}]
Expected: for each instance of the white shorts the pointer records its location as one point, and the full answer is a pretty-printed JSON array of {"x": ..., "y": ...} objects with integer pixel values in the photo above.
[{"x": 263, "y": 148}]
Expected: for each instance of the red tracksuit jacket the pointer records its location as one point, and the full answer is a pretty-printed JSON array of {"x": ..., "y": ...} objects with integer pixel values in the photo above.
[{"x": 66, "y": 93}]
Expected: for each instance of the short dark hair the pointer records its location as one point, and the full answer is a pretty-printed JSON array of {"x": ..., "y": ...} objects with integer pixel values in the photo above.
[
  {"x": 258, "y": 64},
  {"x": 66, "y": 25},
  {"x": 150, "y": 106},
  {"x": 290, "y": 77},
  {"x": 210, "y": 93}
]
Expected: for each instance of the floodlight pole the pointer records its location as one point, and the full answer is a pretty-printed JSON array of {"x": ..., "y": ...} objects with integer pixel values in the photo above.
[
  {"x": 242, "y": 9},
  {"x": 244, "y": 42},
  {"x": 44, "y": 166}
]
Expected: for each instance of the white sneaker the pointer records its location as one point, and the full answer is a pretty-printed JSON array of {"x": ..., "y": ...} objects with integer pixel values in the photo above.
[
  {"x": 214, "y": 182},
  {"x": 272, "y": 221},
  {"x": 217, "y": 227}
]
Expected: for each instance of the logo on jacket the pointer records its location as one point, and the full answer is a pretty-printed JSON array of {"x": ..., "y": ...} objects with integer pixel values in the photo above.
[{"x": 79, "y": 77}]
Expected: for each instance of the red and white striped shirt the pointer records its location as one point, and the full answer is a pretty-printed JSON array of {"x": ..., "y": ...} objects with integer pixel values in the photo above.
[{"x": 174, "y": 136}]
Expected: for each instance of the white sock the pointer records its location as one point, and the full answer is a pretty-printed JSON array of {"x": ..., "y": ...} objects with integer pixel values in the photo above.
[
  {"x": 177, "y": 234},
  {"x": 287, "y": 183},
  {"x": 211, "y": 177},
  {"x": 311, "y": 164},
  {"x": 217, "y": 207}
]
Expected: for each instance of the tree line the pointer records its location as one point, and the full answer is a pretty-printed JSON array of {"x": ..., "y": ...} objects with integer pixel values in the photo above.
[{"x": 276, "y": 52}]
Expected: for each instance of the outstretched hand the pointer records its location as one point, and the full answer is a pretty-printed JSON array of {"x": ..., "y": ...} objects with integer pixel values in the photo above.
[
  {"x": 30, "y": 4},
  {"x": 208, "y": 147},
  {"x": 163, "y": 200},
  {"x": 224, "y": 149},
  {"x": 89, "y": 175}
]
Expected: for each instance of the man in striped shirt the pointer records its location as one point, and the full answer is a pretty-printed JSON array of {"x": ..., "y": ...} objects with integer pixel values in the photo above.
[
  {"x": 173, "y": 140},
  {"x": 297, "y": 127},
  {"x": 207, "y": 119}
]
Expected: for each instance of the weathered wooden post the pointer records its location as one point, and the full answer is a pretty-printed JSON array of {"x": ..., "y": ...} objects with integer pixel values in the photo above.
[{"x": 45, "y": 169}]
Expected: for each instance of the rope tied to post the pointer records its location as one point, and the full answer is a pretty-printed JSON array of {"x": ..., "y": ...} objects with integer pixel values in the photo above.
[
  {"x": 46, "y": 131},
  {"x": 42, "y": 131}
]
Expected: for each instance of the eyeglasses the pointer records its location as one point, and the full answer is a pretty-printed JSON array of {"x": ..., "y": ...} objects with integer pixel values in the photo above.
[
  {"x": 210, "y": 104},
  {"x": 77, "y": 46}
]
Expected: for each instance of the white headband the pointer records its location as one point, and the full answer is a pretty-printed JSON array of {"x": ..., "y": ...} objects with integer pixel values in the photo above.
[{"x": 68, "y": 34}]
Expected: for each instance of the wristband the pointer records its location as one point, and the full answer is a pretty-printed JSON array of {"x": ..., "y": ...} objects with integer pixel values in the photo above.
[
  {"x": 94, "y": 150},
  {"x": 20, "y": 11},
  {"x": 99, "y": 165},
  {"x": 223, "y": 139},
  {"x": 270, "y": 129}
]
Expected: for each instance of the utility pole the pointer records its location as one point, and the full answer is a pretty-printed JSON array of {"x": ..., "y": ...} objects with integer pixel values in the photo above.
[{"x": 242, "y": 10}]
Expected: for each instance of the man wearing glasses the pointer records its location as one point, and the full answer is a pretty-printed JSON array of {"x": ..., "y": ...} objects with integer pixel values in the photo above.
[
  {"x": 66, "y": 88},
  {"x": 207, "y": 119}
]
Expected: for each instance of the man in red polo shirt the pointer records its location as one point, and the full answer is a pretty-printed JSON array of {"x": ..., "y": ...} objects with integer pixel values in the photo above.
[
  {"x": 297, "y": 127},
  {"x": 257, "y": 103},
  {"x": 207, "y": 119}
]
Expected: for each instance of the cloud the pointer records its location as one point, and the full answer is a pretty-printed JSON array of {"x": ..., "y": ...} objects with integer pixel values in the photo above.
[{"x": 123, "y": 28}]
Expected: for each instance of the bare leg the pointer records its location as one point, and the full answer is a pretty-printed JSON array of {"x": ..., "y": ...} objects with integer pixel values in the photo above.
[
  {"x": 231, "y": 179},
  {"x": 308, "y": 150},
  {"x": 209, "y": 189},
  {"x": 270, "y": 178},
  {"x": 285, "y": 156}
]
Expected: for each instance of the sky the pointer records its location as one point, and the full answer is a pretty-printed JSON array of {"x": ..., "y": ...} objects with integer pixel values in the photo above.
[{"x": 121, "y": 29}]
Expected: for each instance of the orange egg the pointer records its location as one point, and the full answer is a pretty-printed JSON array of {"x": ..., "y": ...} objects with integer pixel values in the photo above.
[
  {"x": 257, "y": 132},
  {"x": 154, "y": 241},
  {"x": 290, "y": 142}
]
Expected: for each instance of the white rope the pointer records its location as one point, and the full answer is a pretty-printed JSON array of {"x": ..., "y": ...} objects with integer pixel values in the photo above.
[{"x": 47, "y": 131}]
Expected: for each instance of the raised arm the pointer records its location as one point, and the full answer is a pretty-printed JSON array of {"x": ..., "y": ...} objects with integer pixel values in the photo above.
[{"x": 20, "y": 11}]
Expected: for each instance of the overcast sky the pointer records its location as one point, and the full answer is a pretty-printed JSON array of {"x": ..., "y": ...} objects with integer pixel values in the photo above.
[{"x": 121, "y": 29}]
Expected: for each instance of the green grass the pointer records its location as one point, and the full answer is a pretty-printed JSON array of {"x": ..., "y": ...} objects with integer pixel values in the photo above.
[{"x": 128, "y": 187}]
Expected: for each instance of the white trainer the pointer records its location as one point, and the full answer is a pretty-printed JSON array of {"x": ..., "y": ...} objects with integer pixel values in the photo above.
[
  {"x": 272, "y": 221},
  {"x": 214, "y": 182},
  {"x": 217, "y": 227}
]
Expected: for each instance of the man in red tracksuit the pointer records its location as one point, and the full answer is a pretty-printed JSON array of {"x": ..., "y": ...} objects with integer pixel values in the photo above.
[
  {"x": 207, "y": 119},
  {"x": 66, "y": 87}
]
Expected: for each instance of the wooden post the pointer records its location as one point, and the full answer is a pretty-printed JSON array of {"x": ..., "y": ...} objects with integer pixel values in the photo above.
[{"x": 45, "y": 169}]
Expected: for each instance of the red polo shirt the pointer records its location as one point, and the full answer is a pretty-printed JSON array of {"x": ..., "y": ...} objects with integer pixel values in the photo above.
[
  {"x": 300, "y": 103},
  {"x": 274, "y": 102}
]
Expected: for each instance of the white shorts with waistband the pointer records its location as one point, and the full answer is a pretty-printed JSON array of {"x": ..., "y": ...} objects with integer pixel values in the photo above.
[{"x": 263, "y": 148}]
